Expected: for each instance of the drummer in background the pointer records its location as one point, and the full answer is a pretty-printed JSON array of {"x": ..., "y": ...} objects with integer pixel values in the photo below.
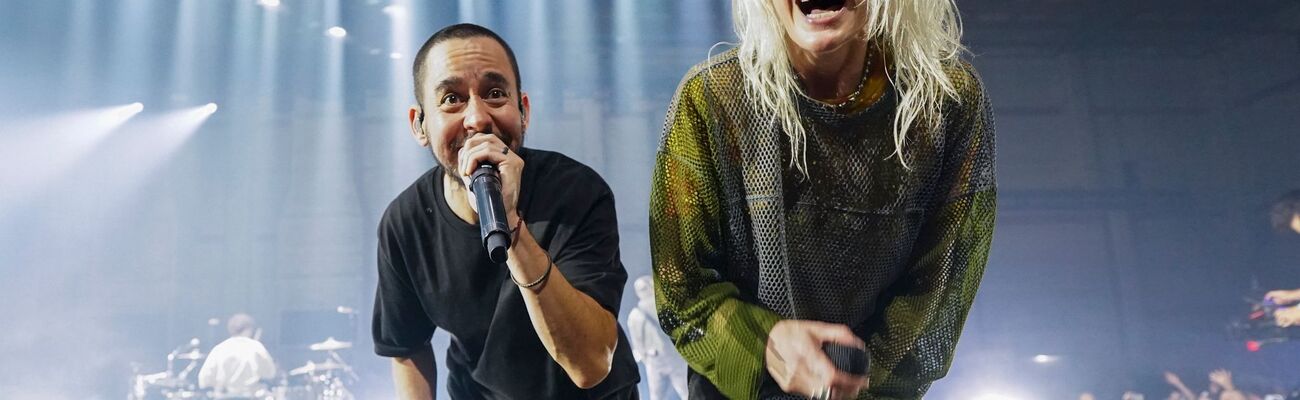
[{"x": 237, "y": 366}]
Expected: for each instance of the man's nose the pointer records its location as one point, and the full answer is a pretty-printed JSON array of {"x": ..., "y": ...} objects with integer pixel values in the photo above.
[{"x": 477, "y": 118}]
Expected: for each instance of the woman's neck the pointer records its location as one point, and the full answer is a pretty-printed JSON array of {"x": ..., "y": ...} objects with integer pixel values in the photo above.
[{"x": 831, "y": 76}]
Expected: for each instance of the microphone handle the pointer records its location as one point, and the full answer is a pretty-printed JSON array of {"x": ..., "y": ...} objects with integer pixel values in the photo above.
[
  {"x": 847, "y": 358},
  {"x": 493, "y": 228}
]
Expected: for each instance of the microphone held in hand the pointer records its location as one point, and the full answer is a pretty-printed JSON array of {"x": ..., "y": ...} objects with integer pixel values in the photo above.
[
  {"x": 848, "y": 359},
  {"x": 486, "y": 185}
]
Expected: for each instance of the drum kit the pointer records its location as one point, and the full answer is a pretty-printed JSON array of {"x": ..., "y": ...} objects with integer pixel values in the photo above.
[{"x": 315, "y": 380}]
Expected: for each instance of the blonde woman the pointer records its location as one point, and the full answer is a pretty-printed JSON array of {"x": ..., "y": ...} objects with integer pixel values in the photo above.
[{"x": 828, "y": 180}]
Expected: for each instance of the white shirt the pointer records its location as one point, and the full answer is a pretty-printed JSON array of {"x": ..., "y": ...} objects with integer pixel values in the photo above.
[
  {"x": 236, "y": 366},
  {"x": 650, "y": 345}
]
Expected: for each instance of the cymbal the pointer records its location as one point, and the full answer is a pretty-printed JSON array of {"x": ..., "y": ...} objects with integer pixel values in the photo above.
[
  {"x": 331, "y": 344},
  {"x": 314, "y": 367},
  {"x": 191, "y": 355},
  {"x": 170, "y": 382}
]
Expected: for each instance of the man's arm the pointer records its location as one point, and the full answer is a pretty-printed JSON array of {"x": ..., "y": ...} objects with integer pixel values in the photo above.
[
  {"x": 265, "y": 365},
  {"x": 1283, "y": 297},
  {"x": 400, "y": 327},
  {"x": 415, "y": 376},
  {"x": 578, "y": 333},
  {"x": 1178, "y": 385},
  {"x": 636, "y": 334},
  {"x": 208, "y": 373},
  {"x": 577, "y": 329}
]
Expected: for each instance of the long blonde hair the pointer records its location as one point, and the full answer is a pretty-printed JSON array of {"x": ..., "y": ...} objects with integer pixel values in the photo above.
[{"x": 917, "y": 35}]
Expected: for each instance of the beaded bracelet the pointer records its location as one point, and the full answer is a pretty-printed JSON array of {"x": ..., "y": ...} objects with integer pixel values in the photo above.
[{"x": 549, "y": 266}]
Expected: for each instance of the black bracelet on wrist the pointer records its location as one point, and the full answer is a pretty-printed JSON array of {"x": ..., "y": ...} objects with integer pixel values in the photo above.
[
  {"x": 514, "y": 232},
  {"x": 549, "y": 266}
]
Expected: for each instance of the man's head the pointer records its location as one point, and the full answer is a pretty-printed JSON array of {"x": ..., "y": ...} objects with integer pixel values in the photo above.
[
  {"x": 1286, "y": 212},
  {"x": 644, "y": 287},
  {"x": 241, "y": 325},
  {"x": 466, "y": 82}
]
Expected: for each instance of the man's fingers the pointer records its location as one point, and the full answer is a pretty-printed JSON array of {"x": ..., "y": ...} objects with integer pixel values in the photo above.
[
  {"x": 477, "y": 139},
  {"x": 844, "y": 385},
  {"x": 472, "y": 143},
  {"x": 485, "y": 153}
]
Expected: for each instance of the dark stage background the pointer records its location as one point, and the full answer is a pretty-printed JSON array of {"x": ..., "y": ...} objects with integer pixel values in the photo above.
[{"x": 1140, "y": 144}]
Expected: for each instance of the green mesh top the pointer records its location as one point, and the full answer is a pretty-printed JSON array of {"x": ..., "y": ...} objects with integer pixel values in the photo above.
[{"x": 739, "y": 240}]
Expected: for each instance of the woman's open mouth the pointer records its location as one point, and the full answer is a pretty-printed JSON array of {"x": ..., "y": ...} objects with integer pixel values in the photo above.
[{"x": 816, "y": 11}]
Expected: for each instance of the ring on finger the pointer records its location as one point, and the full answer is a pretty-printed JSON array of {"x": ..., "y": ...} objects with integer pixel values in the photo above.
[{"x": 822, "y": 394}]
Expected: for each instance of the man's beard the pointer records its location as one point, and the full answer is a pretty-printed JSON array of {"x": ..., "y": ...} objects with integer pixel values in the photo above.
[{"x": 449, "y": 170}]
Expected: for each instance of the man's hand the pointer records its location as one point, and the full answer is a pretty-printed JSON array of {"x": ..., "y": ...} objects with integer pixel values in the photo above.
[
  {"x": 1173, "y": 379},
  {"x": 1287, "y": 317},
  {"x": 1283, "y": 296},
  {"x": 795, "y": 359},
  {"x": 482, "y": 149},
  {"x": 1223, "y": 378}
]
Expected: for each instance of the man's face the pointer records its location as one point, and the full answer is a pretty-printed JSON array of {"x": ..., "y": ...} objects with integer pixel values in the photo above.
[
  {"x": 469, "y": 88},
  {"x": 1295, "y": 223}
]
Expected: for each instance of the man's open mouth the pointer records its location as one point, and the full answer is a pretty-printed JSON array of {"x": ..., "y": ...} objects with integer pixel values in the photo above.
[{"x": 811, "y": 8}]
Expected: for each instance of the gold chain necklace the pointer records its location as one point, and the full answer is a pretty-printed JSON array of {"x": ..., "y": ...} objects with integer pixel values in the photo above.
[{"x": 853, "y": 97}]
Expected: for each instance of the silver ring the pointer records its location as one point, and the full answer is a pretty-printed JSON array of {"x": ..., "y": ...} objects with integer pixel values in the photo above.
[{"x": 822, "y": 394}]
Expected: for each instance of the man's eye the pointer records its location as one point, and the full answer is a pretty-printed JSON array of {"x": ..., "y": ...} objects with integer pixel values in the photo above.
[
  {"x": 450, "y": 98},
  {"x": 496, "y": 94}
]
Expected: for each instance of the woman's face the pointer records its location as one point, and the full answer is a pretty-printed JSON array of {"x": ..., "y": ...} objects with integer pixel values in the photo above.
[{"x": 821, "y": 26}]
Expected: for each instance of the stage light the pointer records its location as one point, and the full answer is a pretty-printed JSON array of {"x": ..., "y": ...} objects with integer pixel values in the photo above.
[
  {"x": 269, "y": 3},
  {"x": 395, "y": 55},
  {"x": 1046, "y": 359},
  {"x": 128, "y": 111},
  {"x": 44, "y": 147},
  {"x": 209, "y": 109},
  {"x": 337, "y": 32},
  {"x": 994, "y": 396},
  {"x": 395, "y": 11}
]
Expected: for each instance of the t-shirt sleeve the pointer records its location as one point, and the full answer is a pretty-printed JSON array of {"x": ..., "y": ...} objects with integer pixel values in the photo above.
[
  {"x": 265, "y": 365},
  {"x": 589, "y": 257},
  {"x": 400, "y": 326}
]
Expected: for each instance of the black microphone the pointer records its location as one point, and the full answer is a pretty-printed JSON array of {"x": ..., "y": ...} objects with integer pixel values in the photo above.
[
  {"x": 486, "y": 185},
  {"x": 847, "y": 358}
]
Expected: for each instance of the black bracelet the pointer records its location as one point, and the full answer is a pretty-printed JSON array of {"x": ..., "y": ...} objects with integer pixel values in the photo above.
[{"x": 549, "y": 266}]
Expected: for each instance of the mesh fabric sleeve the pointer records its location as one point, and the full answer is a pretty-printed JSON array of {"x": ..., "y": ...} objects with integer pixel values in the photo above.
[
  {"x": 721, "y": 337},
  {"x": 931, "y": 301}
]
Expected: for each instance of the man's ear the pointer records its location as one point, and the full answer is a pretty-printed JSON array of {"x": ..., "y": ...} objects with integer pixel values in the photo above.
[
  {"x": 524, "y": 109},
  {"x": 416, "y": 118}
]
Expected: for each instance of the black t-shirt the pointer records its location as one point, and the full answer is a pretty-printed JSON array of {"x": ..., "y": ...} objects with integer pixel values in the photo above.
[{"x": 434, "y": 273}]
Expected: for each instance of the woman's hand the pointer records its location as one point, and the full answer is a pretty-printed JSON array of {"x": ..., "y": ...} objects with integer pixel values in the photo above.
[{"x": 796, "y": 361}]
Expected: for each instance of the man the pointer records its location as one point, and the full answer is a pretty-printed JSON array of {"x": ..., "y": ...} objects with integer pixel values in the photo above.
[
  {"x": 828, "y": 181},
  {"x": 237, "y": 366},
  {"x": 540, "y": 327},
  {"x": 665, "y": 369},
  {"x": 1285, "y": 214},
  {"x": 1285, "y": 217}
]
